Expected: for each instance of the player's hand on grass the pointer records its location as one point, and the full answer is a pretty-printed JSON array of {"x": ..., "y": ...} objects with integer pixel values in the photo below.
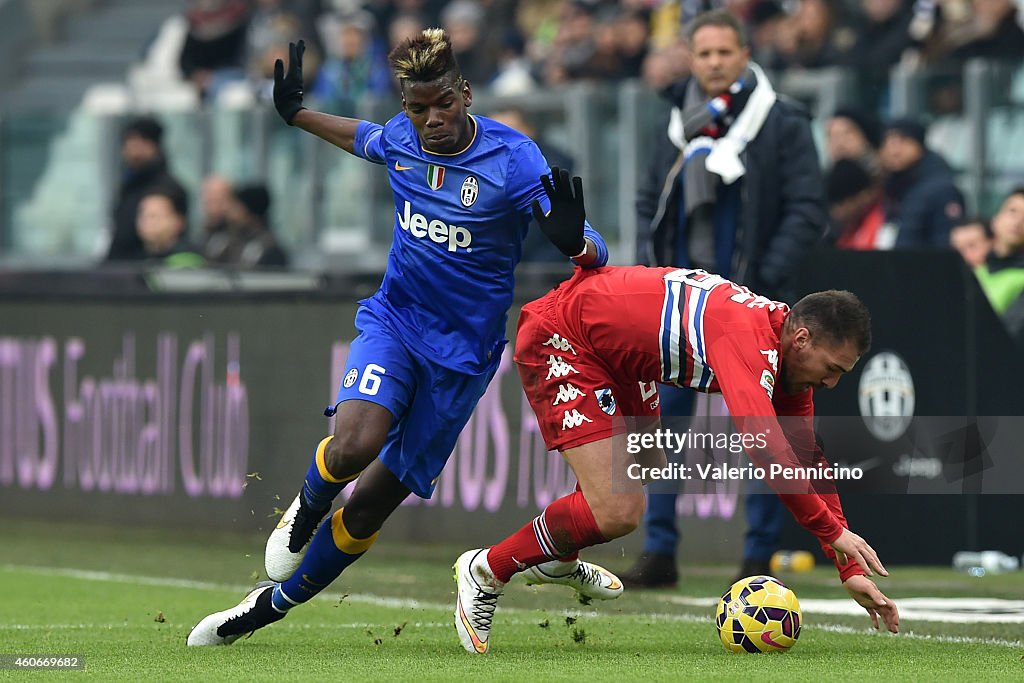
[
  {"x": 850, "y": 546},
  {"x": 866, "y": 594},
  {"x": 563, "y": 225},
  {"x": 288, "y": 86}
]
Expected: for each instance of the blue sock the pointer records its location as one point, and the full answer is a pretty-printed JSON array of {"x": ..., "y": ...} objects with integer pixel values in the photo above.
[
  {"x": 320, "y": 488},
  {"x": 330, "y": 552}
]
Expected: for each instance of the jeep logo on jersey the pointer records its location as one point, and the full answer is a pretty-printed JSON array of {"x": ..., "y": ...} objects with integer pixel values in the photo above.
[
  {"x": 886, "y": 394},
  {"x": 435, "y": 230},
  {"x": 470, "y": 190},
  {"x": 435, "y": 176}
]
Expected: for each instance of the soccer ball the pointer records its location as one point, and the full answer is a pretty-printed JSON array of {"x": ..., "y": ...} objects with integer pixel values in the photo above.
[{"x": 758, "y": 614}]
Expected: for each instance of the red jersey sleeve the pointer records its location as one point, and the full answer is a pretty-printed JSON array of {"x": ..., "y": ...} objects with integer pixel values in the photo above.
[
  {"x": 745, "y": 363},
  {"x": 797, "y": 416}
]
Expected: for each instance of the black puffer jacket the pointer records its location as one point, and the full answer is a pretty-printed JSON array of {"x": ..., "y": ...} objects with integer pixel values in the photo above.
[
  {"x": 924, "y": 203},
  {"x": 784, "y": 213}
]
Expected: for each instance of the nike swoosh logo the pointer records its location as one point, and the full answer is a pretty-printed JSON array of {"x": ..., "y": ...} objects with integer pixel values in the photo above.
[
  {"x": 311, "y": 582},
  {"x": 479, "y": 645},
  {"x": 767, "y": 639},
  {"x": 399, "y": 167}
]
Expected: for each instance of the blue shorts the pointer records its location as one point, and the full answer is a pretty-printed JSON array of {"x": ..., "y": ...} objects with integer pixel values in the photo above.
[{"x": 431, "y": 403}]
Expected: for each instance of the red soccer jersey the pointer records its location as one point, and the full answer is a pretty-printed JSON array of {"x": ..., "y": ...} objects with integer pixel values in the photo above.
[{"x": 583, "y": 349}]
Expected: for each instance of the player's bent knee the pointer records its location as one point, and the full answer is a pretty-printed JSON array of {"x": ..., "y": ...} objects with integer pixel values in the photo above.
[{"x": 350, "y": 452}]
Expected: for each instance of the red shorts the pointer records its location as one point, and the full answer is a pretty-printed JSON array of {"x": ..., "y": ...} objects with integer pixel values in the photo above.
[{"x": 578, "y": 393}]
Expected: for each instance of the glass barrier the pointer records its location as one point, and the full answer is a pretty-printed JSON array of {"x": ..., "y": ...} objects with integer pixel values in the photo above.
[{"x": 333, "y": 212}]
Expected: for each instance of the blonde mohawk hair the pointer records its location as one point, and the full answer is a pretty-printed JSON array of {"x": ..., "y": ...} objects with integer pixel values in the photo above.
[{"x": 425, "y": 58}]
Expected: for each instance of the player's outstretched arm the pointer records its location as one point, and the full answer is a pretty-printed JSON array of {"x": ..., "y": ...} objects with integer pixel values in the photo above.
[
  {"x": 866, "y": 594},
  {"x": 288, "y": 90}
]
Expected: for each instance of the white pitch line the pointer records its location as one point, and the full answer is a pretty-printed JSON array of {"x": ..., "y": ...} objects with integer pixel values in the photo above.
[
  {"x": 945, "y": 610},
  {"x": 408, "y": 603}
]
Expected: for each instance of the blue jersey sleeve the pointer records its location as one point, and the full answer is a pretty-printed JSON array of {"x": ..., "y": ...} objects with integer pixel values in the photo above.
[
  {"x": 526, "y": 166},
  {"x": 369, "y": 142}
]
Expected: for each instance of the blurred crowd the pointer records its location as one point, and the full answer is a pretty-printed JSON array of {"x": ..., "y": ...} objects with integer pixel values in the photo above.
[
  {"x": 884, "y": 185},
  {"x": 511, "y": 46}
]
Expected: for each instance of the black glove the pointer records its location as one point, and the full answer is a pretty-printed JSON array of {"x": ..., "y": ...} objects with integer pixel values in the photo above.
[
  {"x": 564, "y": 223},
  {"x": 288, "y": 87}
]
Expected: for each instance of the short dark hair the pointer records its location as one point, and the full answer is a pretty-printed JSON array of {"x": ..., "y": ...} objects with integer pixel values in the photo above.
[
  {"x": 172, "y": 193},
  {"x": 720, "y": 18},
  {"x": 425, "y": 58},
  {"x": 145, "y": 127},
  {"x": 836, "y": 316},
  {"x": 970, "y": 221},
  {"x": 1015, "y": 191}
]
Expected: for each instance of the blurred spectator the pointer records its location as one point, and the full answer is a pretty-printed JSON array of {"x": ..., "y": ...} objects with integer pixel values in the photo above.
[
  {"x": 973, "y": 239},
  {"x": 666, "y": 65},
  {"x": 765, "y": 21},
  {"x": 573, "y": 46},
  {"x": 989, "y": 30},
  {"x": 162, "y": 224},
  {"x": 921, "y": 198},
  {"x": 282, "y": 29},
  {"x": 814, "y": 25},
  {"x": 263, "y": 31},
  {"x": 1002, "y": 274},
  {"x": 245, "y": 239},
  {"x": 215, "y": 197},
  {"x": 355, "y": 66},
  {"x": 514, "y": 76},
  {"x": 633, "y": 35},
  {"x": 463, "y": 20},
  {"x": 883, "y": 35},
  {"x": 536, "y": 247},
  {"x": 143, "y": 167},
  {"x": 403, "y": 27},
  {"x": 853, "y": 133},
  {"x": 856, "y": 215},
  {"x": 734, "y": 187},
  {"x": 215, "y": 47}
]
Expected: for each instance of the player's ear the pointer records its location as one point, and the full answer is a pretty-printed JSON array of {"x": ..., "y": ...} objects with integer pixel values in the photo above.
[
  {"x": 802, "y": 337},
  {"x": 467, "y": 94}
]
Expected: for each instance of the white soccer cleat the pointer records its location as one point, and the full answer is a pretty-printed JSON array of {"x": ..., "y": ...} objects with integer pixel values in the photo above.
[
  {"x": 478, "y": 592},
  {"x": 223, "y": 628},
  {"x": 591, "y": 581},
  {"x": 288, "y": 542}
]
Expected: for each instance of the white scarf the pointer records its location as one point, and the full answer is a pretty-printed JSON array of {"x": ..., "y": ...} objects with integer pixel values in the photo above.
[{"x": 724, "y": 158}]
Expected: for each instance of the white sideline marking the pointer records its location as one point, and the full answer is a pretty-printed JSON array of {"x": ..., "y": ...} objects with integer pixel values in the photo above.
[
  {"x": 408, "y": 603},
  {"x": 948, "y": 610}
]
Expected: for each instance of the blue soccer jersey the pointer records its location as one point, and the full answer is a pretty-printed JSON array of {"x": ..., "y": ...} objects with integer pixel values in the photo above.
[{"x": 460, "y": 220}]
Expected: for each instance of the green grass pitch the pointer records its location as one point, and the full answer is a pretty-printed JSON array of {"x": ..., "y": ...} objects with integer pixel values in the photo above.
[{"x": 125, "y": 602}]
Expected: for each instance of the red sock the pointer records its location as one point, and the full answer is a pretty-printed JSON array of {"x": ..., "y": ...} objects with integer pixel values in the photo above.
[{"x": 565, "y": 526}]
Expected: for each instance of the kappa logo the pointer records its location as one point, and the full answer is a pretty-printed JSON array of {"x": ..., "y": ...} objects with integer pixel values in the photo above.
[
  {"x": 768, "y": 382},
  {"x": 558, "y": 368},
  {"x": 560, "y": 343},
  {"x": 772, "y": 356},
  {"x": 573, "y": 419},
  {"x": 437, "y": 231},
  {"x": 606, "y": 401},
  {"x": 470, "y": 191},
  {"x": 350, "y": 378},
  {"x": 567, "y": 392}
]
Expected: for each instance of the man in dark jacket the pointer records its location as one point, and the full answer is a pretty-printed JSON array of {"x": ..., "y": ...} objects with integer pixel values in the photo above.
[
  {"x": 921, "y": 199},
  {"x": 735, "y": 189},
  {"x": 143, "y": 169}
]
